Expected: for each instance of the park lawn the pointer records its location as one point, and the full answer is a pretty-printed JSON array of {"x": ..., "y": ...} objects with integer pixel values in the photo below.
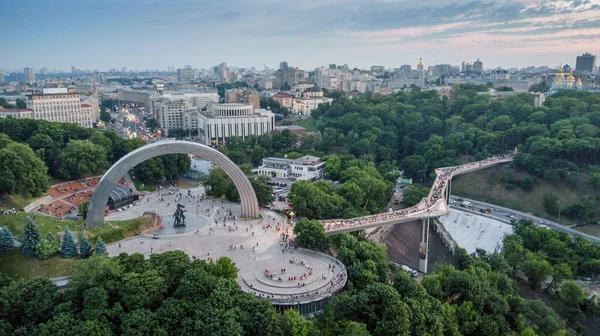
[
  {"x": 16, "y": 223},
  {"x": 17, "y": 266},
  {"x": 138, "y": 186},
  {"x": 484, "y": 185},
  {"x": 311, "y": 124},
  {"x": 110, "y": 232}
]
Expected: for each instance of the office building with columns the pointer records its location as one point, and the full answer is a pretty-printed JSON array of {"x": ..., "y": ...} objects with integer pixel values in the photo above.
[{"x": 223, "y": 121}]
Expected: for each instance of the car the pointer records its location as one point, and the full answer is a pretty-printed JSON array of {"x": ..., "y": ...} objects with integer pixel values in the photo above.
[
  {"x": 509, "y": 215},
  {"x": 488, "y": 210},
  {"x": 543, "y": 222},
  {"x": 482, "y": 210}
]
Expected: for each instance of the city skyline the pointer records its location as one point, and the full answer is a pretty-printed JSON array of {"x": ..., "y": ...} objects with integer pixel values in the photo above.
[{"x": 108, "y": 34}]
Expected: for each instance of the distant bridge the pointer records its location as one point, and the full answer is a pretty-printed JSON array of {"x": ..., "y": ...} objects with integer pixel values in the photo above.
[{"x": 434, "y": 205}]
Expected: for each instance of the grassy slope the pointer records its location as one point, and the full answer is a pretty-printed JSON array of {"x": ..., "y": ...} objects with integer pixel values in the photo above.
[
  {"x": 484, "y": 185},
  {"x": 138, "y": 186},
  {"x": 16, "y": 265},
  {"x": 309, "y": 123}
]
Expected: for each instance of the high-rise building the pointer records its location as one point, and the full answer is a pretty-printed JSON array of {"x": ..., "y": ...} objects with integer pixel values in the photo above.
[
  {"x": 186, "y": 75},
  {"x": 58, "y": 104},
  {"x": 283, "y": 65},
  {"x": 378, "y": 68},
  {"x": 73, "y": 69},
  {"x": 466, "y": 66},
  {"x": 2, "y": 77},
  {"x": 29, "y": 75},
  {"x": 478, "y": 66},
  {"x": 222, "y": 72},
  {"x": 586, "y": 62},
  {"x": 332, "y": 66},
  {"x": 288, "y": 77},
  {"x": 243, "y": 96}
]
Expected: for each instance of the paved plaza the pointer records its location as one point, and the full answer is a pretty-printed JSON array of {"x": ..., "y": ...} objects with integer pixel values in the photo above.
[{"x": 258, "y": 247}]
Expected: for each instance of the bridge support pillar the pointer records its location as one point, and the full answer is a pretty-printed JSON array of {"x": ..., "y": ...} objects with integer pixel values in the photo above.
[
  {"x": 424, "y": 246},
  {"x": 448, "y": 191}
]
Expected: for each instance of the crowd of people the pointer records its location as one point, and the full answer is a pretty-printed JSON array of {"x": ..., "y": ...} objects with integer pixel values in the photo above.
[
  {"x": 427, "y": 205},
  {"x": 12, "y": 211}
]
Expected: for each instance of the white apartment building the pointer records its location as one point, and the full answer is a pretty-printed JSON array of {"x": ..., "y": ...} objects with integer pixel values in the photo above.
[
  {"x": 223, "y": 121},
  {"x": 304, "y": 168},
  {"x": 57, "y": 104},
  {"x": 171, "y": 115},
  {"x": 195, "y": 99}
]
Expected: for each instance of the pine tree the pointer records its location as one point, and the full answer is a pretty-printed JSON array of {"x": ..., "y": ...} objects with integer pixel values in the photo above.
[
  {"x": 31, "y": 238},
  {"x": 84, "y": 247},
  {"x": 50, "y": 237},
  {"x": 6, "y": 240},
  {"x": 100, "y": 247},
  {"x": 68, "y": 248}
]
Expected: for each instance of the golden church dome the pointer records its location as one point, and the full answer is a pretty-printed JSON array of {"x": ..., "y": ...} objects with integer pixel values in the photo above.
[
  {"x": 579, "y": 83},
  {"x": 571, "y": 79},
  {"x": 421, "y": 64},
  {"x": 560, "y": 74}
]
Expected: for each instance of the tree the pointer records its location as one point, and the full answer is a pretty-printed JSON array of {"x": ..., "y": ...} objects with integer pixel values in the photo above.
[
  {"x": 68, "y": 249},
  {"x": 7, "y": 243},
  {"x": 21, "y": 171},
  {"x": 311, "y": 234},
  {"x": 571, "y": 294},
  {"x": 46, "y": 249},
  {"x": 84, "y": 247},
  {"x": 152, "y": 124},
  {"x": 225, "y": 268},
  {"x": 105, "y": 116},
  {"x": 293, "y": 324},
  {"x": 80, "y": 158},
  {"x": 551, "y": 203},
  {"x": 31, "y": 238},
  {"x": 100, "y": 247},
  {"x": 413, "y": 194},
  {"x": 83, "y": 208},
  {"x": 536, "y": 268},
  {"x": 356, "y": 329},
  {"x": 50, "y": 237}
]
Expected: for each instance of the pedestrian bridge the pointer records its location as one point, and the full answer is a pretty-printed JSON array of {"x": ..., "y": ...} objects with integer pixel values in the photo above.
[{"x": 434, "y": 205}]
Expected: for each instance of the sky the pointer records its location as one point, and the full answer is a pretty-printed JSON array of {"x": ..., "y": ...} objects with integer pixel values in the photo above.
[{"x": 149, "y": 34}]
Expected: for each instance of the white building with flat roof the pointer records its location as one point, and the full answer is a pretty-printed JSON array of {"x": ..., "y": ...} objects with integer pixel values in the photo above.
[
  {"x": 223, "y": 121},
  {"x": 304, "y": 168}
]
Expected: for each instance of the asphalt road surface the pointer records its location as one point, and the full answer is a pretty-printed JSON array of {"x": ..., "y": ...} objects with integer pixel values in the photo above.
[{"x": 500, "y": 213}]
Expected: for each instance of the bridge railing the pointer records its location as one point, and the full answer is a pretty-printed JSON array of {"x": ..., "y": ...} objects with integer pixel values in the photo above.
[{"x": 430, "y": 204}]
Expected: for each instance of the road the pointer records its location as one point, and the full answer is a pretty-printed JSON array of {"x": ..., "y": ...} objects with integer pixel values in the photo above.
[{"x": 499, "y": 213}]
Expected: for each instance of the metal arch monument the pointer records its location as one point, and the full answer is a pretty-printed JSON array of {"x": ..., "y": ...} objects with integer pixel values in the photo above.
[{"x": 95, "y": 215}]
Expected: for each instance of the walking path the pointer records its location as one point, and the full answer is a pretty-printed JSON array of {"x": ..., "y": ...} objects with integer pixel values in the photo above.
[
  {"x": 267, "y": 268},
  {"x": 434, "y": 205}
]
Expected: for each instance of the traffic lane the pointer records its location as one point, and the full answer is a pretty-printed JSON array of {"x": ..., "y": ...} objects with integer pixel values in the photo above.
[{"x": 518, "y": 215}]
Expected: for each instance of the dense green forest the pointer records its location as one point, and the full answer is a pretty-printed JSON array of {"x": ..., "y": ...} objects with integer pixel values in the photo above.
[
  {"x": 68, "y": 152},
  {"x": 364, "y": 138},
  {"x": 169, "y": 295}
]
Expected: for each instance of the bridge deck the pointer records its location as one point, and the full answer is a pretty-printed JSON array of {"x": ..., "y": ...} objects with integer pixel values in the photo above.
[{"x": 434, "y": 205}]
